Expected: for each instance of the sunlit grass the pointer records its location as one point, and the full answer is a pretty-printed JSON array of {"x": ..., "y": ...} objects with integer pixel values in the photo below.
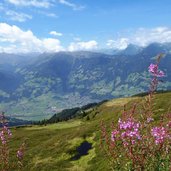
[
  {"x": 120, "y": 101},
  {"x": 60, "y": 125}
]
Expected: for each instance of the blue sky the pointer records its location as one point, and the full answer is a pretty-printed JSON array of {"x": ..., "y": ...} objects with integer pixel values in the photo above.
[{"x": 55, "y": 25}]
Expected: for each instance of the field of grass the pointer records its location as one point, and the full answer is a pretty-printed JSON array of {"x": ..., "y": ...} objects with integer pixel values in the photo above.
[{"x": 51, "y": 147}]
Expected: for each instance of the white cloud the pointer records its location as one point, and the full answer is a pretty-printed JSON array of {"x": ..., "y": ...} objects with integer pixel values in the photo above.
[
  {"x": 52, "y": 45},
  {"x": 72, "y": 5},
  {"x": 76, "y": 46},
  {"x": 44, "y": 3},
  {"x": 54, "y": 33},
  {"x": 47, "y": 14},
  {"x": 51, "y": 15},
  {"x": 35, "y": 3},
  {"x": 145, "y": 36},
  {"x": 15, "y": 16},
  {"x": 14, "y": 40},
  {"x": 142, "y": 37},
  {"x": 118, "y": 44}
]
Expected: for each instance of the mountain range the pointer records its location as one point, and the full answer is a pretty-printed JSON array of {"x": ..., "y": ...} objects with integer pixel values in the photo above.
[{"x": 35, "y": 86}]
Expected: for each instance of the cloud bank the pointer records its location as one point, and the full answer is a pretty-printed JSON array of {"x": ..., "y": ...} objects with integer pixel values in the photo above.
[
  {"x": 89, "y": 45},
  {"x": 14, "y": 40},
  {"x": 142, "y": 37}
]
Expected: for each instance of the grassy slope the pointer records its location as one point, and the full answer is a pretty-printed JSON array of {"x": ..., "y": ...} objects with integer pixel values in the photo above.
[{"x": 49, "y": 148}]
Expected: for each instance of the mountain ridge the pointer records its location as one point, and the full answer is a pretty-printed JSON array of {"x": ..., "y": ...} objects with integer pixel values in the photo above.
[{"x": 49, "y": 81}]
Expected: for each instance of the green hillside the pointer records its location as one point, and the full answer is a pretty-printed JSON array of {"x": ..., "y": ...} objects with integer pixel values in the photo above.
[{"x": 52, "y": 147}]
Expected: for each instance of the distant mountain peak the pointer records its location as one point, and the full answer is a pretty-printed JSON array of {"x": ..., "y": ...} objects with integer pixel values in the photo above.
[{"x": 131, "y": 49}]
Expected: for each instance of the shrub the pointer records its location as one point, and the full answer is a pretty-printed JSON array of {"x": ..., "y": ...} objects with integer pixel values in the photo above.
[
  {"x": 5, "y": 136},
  {"x": 138, "y": 141}
]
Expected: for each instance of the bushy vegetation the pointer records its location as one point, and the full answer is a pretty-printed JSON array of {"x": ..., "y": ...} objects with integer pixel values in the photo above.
[
  {"x": 67, "y": 114},
  {"x": 136, "y": 142},
  {"x": 7, "y": 163}
]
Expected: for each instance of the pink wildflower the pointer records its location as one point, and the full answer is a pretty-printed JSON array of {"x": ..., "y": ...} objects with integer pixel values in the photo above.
[
  {"x": 159, "y": 134},
  {"x": 129, "y": 130},
  {"x": 5, "y": 133},
  {"x": 2, "y": 136},
  {"x": 114, "y": 134},
  {"x": 153, "y": 69},
  {"x": 19, "y": 154},
  {"x": 169, "y": 124},
  {"x": 149, "y": 120}
]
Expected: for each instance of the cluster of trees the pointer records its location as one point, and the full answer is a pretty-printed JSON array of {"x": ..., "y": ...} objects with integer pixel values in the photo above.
[{"x": 67, "y": 114}]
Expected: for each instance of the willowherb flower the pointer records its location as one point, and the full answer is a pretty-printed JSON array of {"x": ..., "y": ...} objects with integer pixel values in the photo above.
[
  {"x": 129, "y": 130},
  {"x": 19, "y": 154},
  {"x": 128, "y": 124},
  {"x": 2, "y": 136},
  {"x": 153, "y": 69},
  {"x": 150, "y": 120},
  {"x": 114, "y": 134},
  {"x": 5, "y": 135},
  {"x": 5, "y": 132},
  {"x": 169, "y": 124},
  {"x": 160, "y": 134}
]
